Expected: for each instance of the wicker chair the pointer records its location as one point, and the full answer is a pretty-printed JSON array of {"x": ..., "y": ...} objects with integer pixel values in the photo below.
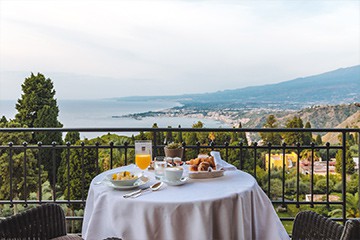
[
  {"x": 43, "y": 222},
  {"x": 352, "y": 229},
  {"x": 310, "y": 225}
]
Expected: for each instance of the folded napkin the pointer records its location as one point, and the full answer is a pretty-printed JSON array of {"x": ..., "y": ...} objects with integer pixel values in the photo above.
[{"x": 221, "y": 163}]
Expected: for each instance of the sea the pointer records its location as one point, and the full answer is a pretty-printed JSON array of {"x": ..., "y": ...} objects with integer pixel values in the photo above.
[{"x": 100, "y": 114}]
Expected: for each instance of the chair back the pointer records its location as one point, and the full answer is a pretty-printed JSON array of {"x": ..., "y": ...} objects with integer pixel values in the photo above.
[
  {"x": 43, "y": 222},
  {"x": 351, "y": 230},
  {"x": 310, "y": 225}
]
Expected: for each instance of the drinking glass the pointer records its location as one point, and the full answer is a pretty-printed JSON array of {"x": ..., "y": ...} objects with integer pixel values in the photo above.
[
  {"x": 143, "y": 153},
  {"x": 159, "y": 166}
]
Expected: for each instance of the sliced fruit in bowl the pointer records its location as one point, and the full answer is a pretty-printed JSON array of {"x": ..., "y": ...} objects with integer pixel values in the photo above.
[{"x": 124, "y": 178}]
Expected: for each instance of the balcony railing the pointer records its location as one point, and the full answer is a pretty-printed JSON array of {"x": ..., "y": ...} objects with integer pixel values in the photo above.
[{"x": 247, "y": 157}]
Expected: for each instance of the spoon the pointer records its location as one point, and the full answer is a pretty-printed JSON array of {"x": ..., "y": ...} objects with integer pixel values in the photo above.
[
  {"x": 153, "y": 188},
  {"x": 98, "y": 182}
]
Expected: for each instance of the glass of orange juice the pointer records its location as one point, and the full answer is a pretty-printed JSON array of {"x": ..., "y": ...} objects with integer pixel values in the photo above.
[{"x": 143, "y": 154}]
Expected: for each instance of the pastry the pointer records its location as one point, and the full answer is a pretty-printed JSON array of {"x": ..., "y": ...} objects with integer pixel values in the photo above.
[
  {"x": 203, "y": 166},
  {"x": 193, "y": 168}
]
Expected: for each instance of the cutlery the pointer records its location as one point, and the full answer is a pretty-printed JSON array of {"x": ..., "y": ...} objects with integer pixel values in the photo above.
[
  {"x": 137, "y": 193},
  {"x": 99, "y": 182}
]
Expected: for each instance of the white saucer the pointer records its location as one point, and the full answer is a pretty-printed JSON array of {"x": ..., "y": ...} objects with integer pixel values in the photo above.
[
  {"x": 176, "y": 183},
  {"x": 140, "y": 182}
]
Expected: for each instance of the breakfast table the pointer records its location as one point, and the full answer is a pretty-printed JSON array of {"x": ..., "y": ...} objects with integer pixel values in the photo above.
[{"x": 232, "y": 206}]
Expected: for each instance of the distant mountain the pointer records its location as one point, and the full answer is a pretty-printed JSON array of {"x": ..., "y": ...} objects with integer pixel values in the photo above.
[
  {"x": 352, "y": 122},
  {"x": 335, "y": 87},
  {"x": 325, "y": 116}
]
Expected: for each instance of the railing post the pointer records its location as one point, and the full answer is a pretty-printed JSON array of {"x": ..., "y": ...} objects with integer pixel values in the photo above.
[
  {"x": 344, "y": 175},
  {"x": 25, "y": 174},
  {"x": 226, "y": 151},
  {"x": 269, "y": 171},
  {"x": 241, "y": 144},
  {"x": 111, "y": 154},
  {"x": 126, "y": 144},
  {"x": 82, "y": 173},
  {"x": 39, "y": 173},
  {"x": 359, "y": 169},
  {"x": 255, "y": 159},
  {"x": 97, "y": 144},
  {"x": 312, "y": 176},
  {"x": 53, "y": 170},
  {"x": 283, "y": 173},
  {"x": 327, "y": 173},
  {"x": 198, "y": 147},
  {"x": 68, "y": 145},
  {"x": 154, "y": 152},
  {"x": 298, "y": 175},
  {"x": 11, "y": 173}
]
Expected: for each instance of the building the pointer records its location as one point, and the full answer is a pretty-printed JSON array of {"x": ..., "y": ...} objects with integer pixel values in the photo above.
[
  {"x": 276, "y": 160},
  {"x": 356, "y": 160},
  {"x": 320, "y": 167}
]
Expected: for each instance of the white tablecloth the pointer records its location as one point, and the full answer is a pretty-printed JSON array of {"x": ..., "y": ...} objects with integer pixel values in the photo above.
[{"x": 229, "y": 207}]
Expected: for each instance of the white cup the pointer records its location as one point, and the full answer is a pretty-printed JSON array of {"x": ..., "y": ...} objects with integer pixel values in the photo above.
[{"x": 173, "y": 174}]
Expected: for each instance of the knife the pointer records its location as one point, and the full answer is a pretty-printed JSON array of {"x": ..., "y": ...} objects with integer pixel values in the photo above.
[{"x": 135, "y": 192}]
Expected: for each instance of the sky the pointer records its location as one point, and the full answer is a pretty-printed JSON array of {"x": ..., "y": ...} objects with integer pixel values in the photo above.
[{"x": 108, "y": 48}]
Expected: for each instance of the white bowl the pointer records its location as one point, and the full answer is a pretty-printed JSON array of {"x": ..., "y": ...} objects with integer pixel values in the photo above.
[{"x": 129, "y": 182}]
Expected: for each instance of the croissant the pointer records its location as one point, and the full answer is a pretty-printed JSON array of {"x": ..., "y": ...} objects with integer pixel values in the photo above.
[
  {"x": 195, "y": 161},
  {"x": 203, "y": 166},
  {"x": 193, "y": 168},
  {"x": 212, "y": 162}
]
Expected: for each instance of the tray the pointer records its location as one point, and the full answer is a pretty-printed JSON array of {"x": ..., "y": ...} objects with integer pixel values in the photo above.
[{"x": 202, "y": 175}]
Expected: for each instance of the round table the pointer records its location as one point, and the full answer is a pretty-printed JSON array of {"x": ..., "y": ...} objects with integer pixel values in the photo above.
[{"x": 229, "y": 207}]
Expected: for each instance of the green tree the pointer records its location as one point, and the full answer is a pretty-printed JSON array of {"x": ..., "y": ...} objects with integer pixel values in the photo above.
[
  {"x": 3, "y": 119},
  {"x": 18, "y": 160},
  {"x": 350, "y": 164},
  {"x": 36, "y": 101},
  {"x": 320, "y": 186},
  {"x": 82, "y": 165},
  {"x": 169, "y": 136},
  {"x": 37, "y": 107},
  {"x": 307, "y": 135},
  {"x": 242, "y": 136},
  {"x": 72, "y": 137},
  {"x": 318, "y": 140},
  {"x": 271, "y": 137},
  {"x": 202, "y": 137},
  {"x": 294, "y": 137},
  {"x": 352, "y": 210},
  {"x": 178, "y": 137}
]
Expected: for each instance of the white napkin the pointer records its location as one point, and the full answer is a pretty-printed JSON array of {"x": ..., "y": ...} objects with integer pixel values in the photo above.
[{"x": 221, "y": 163}]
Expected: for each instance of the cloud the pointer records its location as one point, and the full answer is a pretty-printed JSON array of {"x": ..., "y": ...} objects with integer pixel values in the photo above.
[{"x": 181, "y": 46}]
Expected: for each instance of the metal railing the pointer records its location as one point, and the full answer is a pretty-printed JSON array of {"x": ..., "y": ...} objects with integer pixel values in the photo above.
[{"x": 244, "y": 155}]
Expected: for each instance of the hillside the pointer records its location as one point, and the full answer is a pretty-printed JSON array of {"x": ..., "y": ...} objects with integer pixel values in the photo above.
[
  {"x": 318, "y": 116},
  {"x": 351, "y": 122},
  {"x": 334, "y": 87}
]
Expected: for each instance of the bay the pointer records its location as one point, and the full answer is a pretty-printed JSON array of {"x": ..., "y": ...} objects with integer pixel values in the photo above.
[{"x": 99, "y": 114}]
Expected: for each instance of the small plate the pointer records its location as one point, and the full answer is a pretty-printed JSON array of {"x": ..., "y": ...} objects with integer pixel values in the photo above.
[
  {"x": 140, "y": 182},
  {"x": 176, "y": 183},
  {"x": 202, "y": 175}
]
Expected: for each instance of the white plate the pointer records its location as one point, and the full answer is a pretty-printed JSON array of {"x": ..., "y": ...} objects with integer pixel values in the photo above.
[
  {"x": 140, "y": 182},
  {"x": 202, "y": 175},
  {"x": 176, "y": 183}
]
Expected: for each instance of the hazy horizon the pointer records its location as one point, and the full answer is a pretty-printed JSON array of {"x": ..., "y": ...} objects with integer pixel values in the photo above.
[{"x": 107, "y": 49}]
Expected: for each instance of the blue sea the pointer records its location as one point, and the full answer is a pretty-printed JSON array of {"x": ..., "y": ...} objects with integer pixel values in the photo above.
[{"x": 99, "y": 113}]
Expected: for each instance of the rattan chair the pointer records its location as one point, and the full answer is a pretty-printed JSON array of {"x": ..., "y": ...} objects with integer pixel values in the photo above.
[
  {"x": 310, "y": 225},
  {"x": 352, "y": 229},
  {"x": 43, "y": 222}
]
